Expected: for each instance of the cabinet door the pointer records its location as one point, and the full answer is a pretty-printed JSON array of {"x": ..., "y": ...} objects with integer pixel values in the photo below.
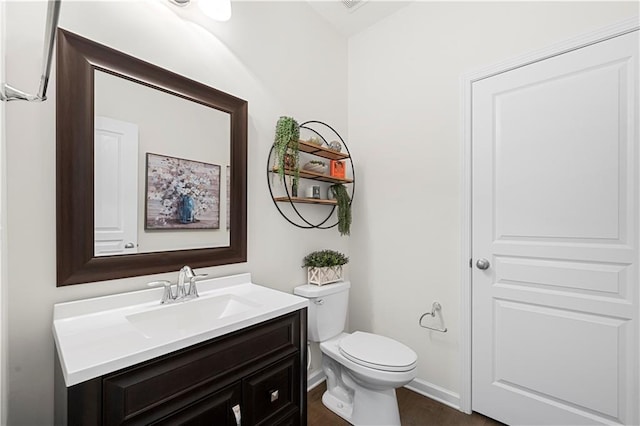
[
  {"x": 291, "y": 420},
  {"x": 271, "y": 392},
  {"x": 215, "y": 409}
]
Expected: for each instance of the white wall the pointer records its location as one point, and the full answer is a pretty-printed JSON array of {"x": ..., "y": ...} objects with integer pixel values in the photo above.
[
  {"x": 404, "y": 131},
  {"x": 281, "y": 57}
]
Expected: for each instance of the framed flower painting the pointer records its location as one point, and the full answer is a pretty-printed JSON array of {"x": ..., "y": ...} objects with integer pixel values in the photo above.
[{"x": 181, "y": 194}]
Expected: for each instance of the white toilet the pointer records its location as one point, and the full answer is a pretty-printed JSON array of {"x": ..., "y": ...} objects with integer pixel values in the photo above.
[{"x": 363, "y": 370}]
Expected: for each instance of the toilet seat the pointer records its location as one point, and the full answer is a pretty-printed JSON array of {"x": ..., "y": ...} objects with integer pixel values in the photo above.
[{"x": 377, "y": 352}]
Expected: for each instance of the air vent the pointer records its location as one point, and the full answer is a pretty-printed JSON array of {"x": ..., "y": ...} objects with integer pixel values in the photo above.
[{"x": 352, "y": 5}]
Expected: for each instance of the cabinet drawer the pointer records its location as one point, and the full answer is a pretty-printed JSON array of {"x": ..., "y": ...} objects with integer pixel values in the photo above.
[
  {"x": 271, "y": 392},
  {"x": 145, "y": 392}
]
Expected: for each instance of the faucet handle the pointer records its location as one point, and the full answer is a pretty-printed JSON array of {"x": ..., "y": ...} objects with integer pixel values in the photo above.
[
  {"x": 193, "y": 290},
  {"x": 167, "y": 295}
]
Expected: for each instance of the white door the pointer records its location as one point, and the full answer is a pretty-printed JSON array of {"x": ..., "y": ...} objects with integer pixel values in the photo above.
[
  {"x": 555, "y": 214},
  {"x": 116, "y": 187}
]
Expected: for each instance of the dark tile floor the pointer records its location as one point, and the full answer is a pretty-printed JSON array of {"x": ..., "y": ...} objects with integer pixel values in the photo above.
[{"x": 415, "y": 410}]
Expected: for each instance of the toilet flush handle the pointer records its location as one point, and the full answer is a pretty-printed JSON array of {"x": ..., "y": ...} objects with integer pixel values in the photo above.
[{"x": 318, "y": 301}]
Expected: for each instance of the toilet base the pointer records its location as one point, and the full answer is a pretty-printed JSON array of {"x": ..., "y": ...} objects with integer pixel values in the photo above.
[
  {"x": 372, "y": 407},
  {"x": 344, "y": 410}
]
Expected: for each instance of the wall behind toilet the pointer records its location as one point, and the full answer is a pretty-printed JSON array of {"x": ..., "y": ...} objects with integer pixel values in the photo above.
[
  {"x": 405, "y": 130},
  {"x": 279, "y": 56}
]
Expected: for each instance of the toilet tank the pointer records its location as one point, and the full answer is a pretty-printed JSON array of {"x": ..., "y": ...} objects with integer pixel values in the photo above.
[{"x": 327, "y": 309}]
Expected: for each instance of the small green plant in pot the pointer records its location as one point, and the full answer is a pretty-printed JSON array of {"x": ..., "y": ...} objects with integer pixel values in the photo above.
[
  {"x": 324, "y": 266},
  {"x": 286, "y": 147},
  {"x": 344, "y": 208}
]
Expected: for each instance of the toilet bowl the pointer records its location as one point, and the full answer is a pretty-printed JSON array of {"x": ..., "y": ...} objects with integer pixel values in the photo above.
[
  {"x": 362, "y": 369},
  {"x": 370, "y": 398}
]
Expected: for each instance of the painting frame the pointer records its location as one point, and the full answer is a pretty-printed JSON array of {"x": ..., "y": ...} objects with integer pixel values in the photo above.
[{"x": 181, "y": 194}]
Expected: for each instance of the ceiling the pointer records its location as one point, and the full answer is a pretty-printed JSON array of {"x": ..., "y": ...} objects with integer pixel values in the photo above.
[{"x": 362, "y": 14}]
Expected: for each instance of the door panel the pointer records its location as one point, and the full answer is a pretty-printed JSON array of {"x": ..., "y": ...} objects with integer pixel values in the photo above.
[
  {"x": 116, "y": 187},
  {"x": 555, "y": 317},
  {"x": 540, "y": 362},
  {"x": 573, "y": 206},
  {"x": 576, "y": 278}
]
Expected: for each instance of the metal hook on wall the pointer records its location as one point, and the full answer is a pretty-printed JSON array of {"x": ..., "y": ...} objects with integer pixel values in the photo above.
[{"x": 436, "y": 307}]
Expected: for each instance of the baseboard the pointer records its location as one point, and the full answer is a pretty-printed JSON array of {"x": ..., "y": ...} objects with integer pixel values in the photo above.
[
  {"x": 435, "y": 392},
  {"x": 315, "y": 378}
]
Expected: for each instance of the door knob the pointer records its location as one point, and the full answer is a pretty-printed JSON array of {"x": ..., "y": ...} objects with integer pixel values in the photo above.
[{"x": 483, "y": 263}]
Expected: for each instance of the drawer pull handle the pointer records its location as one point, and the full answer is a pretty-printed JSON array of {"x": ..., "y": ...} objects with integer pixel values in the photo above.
[
  {"x": 275, "y": 395},
  {"x": 237, "y": 414}
]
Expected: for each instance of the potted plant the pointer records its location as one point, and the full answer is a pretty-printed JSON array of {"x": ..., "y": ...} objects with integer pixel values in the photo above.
[
  {"x": 344, "y": 207},
  {"x": 324, "y": 266},
  {"x": 286, "y": 147}
]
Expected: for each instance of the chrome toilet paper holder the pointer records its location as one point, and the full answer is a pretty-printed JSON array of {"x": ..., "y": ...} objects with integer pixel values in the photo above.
[{"x": 436, "y": 307}]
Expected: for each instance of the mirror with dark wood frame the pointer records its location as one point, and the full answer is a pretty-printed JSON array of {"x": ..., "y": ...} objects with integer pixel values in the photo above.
[{"x": 78, "y": 60}]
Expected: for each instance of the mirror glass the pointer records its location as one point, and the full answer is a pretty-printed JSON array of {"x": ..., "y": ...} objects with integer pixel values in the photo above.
[
  {"x": 154, "y": 154},
  {"x": 151, "y": 167}
]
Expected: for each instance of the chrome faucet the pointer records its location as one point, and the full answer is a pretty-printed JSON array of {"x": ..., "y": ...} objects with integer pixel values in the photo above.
[
  {"x": 185, "y": 273},
  {"x": 181, "y": 294}
]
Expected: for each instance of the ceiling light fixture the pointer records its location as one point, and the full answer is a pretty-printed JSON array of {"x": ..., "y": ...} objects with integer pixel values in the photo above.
[{"x": 219, "y": 10}]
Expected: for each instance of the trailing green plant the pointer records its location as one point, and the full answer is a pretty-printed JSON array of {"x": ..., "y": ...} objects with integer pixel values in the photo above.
[
  {"x": 344, "y": 208},
  {"x": 323, "y": 258},
  {"x": 286, "y": 142}
]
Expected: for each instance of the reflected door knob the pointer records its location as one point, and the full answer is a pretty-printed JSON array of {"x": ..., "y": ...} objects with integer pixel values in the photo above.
[{"x": 483, "y": 263}]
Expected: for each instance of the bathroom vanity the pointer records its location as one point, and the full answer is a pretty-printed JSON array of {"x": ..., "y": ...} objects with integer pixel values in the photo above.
[{"x": 242, "y": 362}]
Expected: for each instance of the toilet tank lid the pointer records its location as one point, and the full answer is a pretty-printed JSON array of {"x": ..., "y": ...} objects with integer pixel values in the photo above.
[{"x": 311, "y": 291}]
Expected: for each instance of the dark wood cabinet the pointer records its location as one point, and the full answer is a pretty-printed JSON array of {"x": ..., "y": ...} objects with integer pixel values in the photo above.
[
  {"x": 261, "y": 369},
  {"x": 271, "y": 391},
  {"x": 215, "y": 409}
]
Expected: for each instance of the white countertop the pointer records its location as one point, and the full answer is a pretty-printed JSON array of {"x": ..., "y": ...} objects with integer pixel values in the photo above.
[{"x": 95, "y": 337}]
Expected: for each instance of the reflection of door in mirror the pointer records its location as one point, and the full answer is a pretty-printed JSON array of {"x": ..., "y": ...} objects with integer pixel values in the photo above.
[
  {"x": 116, "y": 183},
  {"x": 169, "y": 126}
]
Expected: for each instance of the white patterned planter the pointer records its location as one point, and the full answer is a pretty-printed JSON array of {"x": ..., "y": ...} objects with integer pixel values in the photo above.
[{"x": 324, "y": 275}]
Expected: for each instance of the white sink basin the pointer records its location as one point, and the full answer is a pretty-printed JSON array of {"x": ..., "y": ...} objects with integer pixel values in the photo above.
[
  {"x": 192, "y": 316},
  {"x": 104, "y": 334}
]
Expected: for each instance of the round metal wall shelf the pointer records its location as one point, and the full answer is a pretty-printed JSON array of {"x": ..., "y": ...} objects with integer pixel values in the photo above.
[{"x": 294, "y": 216}]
